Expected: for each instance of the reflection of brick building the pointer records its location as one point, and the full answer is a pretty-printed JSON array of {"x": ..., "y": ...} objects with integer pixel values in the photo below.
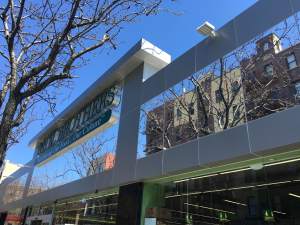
[
  {"x": 105, "y": 162},
  {"x": 271, "y": 82},
  {"x": 190, "y": 114},
  {"x": 169, "y": 125},
  {"x": 271, "y": 77}
]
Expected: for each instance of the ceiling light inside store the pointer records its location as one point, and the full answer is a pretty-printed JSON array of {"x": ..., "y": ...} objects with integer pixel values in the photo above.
[
  {"x": 294, "y": 195},
  {"x": 235, "y": 203},
  {"x": 209, "y": 208},
  {"x": 273, "y": 183},
  {"x": 283, "y": 213}
]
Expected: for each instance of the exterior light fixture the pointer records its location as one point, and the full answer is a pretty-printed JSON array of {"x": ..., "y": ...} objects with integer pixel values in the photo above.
[
  {"x": 206, "y": 29},
  {"x": 257, "y": 166}
]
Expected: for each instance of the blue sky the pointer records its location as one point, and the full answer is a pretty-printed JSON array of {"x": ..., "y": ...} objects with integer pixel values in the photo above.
[{"x": 173, "y": 34}]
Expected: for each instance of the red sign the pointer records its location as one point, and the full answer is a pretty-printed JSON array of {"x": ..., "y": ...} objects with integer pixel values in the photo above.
[{"x": 13, "y": 218}]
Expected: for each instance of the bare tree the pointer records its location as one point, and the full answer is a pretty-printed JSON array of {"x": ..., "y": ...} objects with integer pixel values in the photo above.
[
  {"x": 253, "y": 81},
  {"x": 95, "y": 155},
  {"x": 14, "y": 190},
  {"x": 88, "y": 158},
  {"x": 190, "y": 109},
  {"x": 44, "y": 42}
]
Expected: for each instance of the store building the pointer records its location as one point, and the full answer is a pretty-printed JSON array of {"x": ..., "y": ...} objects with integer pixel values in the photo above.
[{"x": 234, "y": 165}]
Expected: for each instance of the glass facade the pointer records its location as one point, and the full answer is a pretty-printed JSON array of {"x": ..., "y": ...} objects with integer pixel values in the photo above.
[
  {"x": 15, "y": 217},
  {"x": 92, "y": 209},
  {"x": 94, "y": 155},
  {"x": 15, "y": 190},
  {"x": 40, "y": 215},
  {"x": 248, "y": 83},
  {"x": 259, "y": 195},
  {"x": 256, "y": 80}
]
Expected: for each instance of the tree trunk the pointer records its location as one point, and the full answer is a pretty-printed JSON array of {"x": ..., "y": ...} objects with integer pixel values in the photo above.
[{"x": 6, "y": 126}]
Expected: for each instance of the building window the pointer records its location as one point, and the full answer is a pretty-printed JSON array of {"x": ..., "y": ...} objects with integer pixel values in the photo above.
[
  {"x": 218, "y": 96},
  {"x": 236, "y": 112},
  {"x": 191, "y": 109},
  {"x": 266, "y": 46},
  {"x": 178, "y": 113},
  {"x": 207, "y": 84},
  {"x": 297, "y": 87},
  {"x": 269, "y": 70},
  {"x": 275, "y": 94},
  {"x": 235, "y": 86},
  {"x": 291, "y": 61}
]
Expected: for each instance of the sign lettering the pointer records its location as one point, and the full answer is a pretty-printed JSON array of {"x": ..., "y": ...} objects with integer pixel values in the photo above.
[{"x": 93, "y": 115}]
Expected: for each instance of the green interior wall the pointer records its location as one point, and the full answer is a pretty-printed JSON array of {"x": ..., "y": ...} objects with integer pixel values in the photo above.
[{"x": 153, "y": 196}]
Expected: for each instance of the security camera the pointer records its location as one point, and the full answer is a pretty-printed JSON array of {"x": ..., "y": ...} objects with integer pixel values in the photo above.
[{"x": 207, "y": 29}]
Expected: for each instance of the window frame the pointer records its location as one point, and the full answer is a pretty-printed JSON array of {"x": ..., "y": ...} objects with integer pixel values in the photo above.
[
  {"x": 218, "y": 96},
  {"x": 291, "y": 62},
  {"x": 266, "y": 46},
  {"x": 270, "y": 65},
  {"x": 297, "y": 90}
]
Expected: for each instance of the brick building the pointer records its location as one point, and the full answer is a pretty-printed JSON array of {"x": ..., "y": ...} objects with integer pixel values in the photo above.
[
  {"x": 195, "y": 113},
  {"x": 266, "y": 82},
  {"x": 271, "y": 77}
]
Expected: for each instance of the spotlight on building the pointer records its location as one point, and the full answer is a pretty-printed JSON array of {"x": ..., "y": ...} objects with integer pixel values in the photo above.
[
  {"x": 206, "y": 29},
  {"x": 257, "y": 166}
]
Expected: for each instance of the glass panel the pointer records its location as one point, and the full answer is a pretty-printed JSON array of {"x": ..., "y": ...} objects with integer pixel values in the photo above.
[
  {"x": 15, "y": 189},
  {"x": 40, "y": 215},
  {"x": 209, "y": 101},
  {"x": 268, "y": 78},
  {"x": 151, "y": 127},
  {"x": 93, "y": 209},
  {"x": 262, "y": 195},
  {"x": 94, "y": 155},
  {"x": 15, "y": 217},
  {"x": 250, "y": 82}
]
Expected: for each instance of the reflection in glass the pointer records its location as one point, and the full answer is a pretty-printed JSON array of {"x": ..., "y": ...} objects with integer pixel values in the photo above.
[
  {"x": 269, "y": 195},
  {"x": 15, "y": 190},
  {"x": 40, "y": 215},
  {"x": 87, "y": 210},
  {"x": 151, "y": 126},
  {"x": 15, "y": 217},
  {"x": 95, "y": 154},
  {"x": 257, "y": 79}
]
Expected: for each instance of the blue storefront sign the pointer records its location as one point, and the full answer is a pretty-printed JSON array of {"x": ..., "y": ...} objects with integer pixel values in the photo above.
[{"x": 93, "y": 115}]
